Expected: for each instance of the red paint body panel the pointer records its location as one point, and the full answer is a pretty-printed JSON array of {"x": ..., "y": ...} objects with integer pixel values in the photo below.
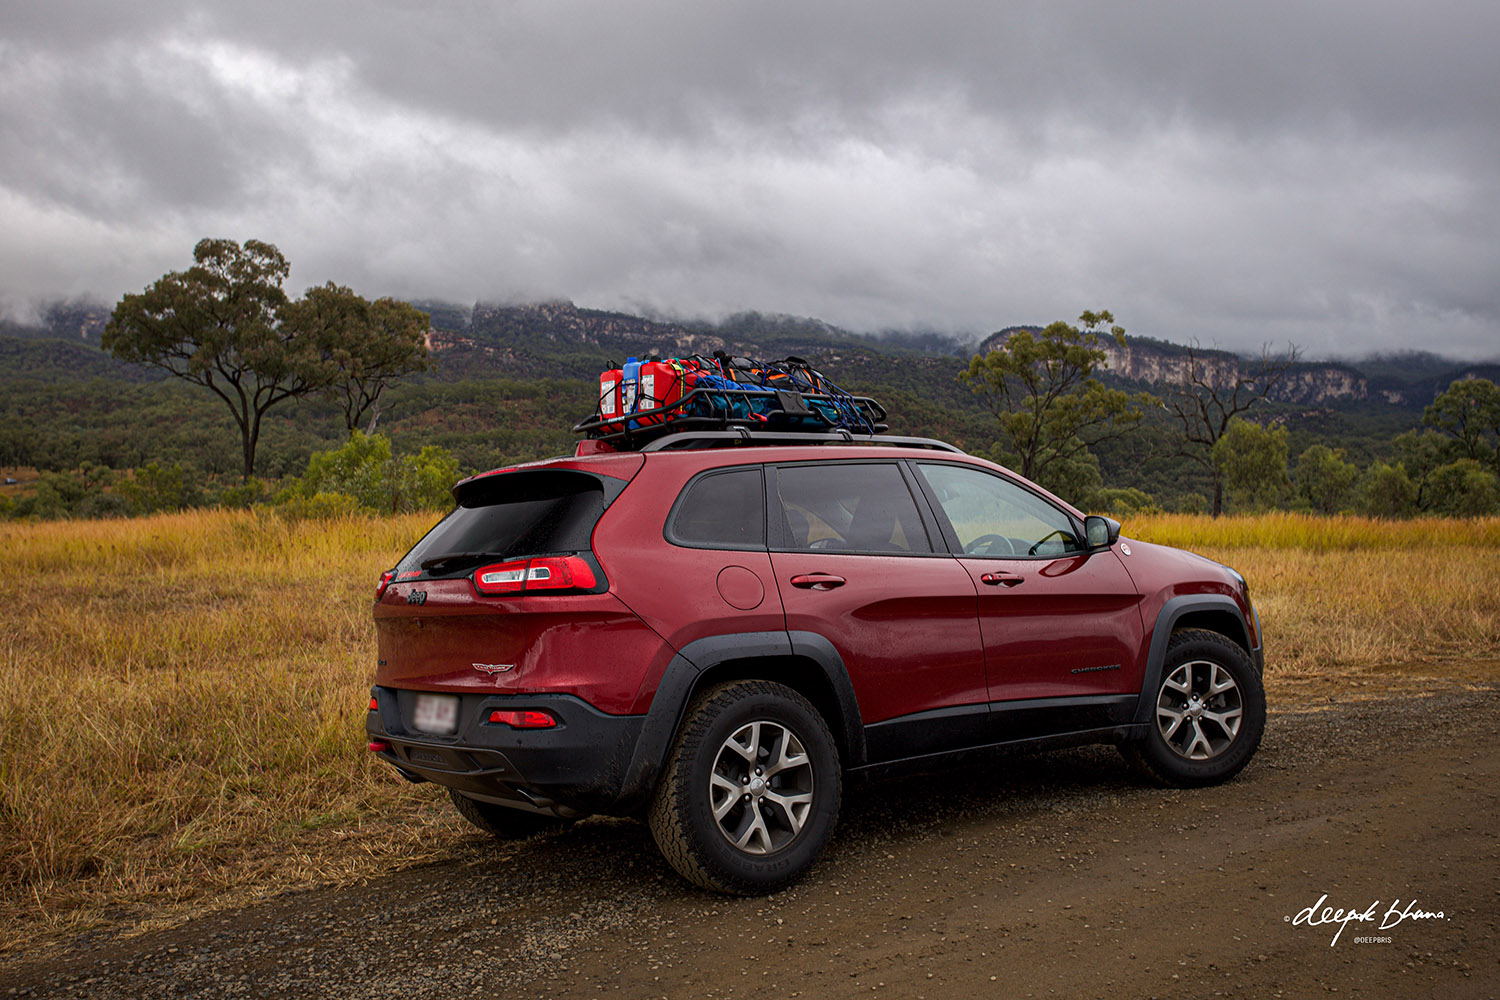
[
  {"x": 1071, "y": 614},
  {"x": 675, "y": 589},
  {"x": 1161, "y": 573},
  {"x": 904, "y": 625},
  {"x": 589, "y": 645}
]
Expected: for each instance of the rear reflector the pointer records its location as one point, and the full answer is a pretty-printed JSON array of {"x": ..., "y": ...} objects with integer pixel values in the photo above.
[
  {"x": 525, "y": 718},
  {"x": 541, "y": 573},
  {"x": 379, "y": 746},
  {"x": 374, "y": 705}
]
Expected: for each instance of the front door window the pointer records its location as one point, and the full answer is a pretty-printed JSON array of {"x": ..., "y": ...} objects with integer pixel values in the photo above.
[{"x": 994, "y": 517}]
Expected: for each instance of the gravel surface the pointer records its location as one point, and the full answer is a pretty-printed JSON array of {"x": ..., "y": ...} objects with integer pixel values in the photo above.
[{"x": 1017, "y": 876}]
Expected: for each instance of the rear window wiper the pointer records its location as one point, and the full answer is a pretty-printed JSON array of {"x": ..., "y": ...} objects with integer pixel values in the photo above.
[{"x": 453, "y": 560}]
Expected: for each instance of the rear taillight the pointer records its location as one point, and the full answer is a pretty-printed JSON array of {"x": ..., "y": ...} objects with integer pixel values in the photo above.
[
  {"x": 559, "y": 573},
  {"x": 525, "y": 718},
  {"x": 385, "y": 581},
  {"x": 528, "y": 575},
  {"x": 374, "y": 705},
  {"x": 501, "y": 578}
]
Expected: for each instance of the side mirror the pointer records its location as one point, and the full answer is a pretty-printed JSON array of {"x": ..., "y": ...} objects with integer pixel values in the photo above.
[{"x": 1101, "y": 532}]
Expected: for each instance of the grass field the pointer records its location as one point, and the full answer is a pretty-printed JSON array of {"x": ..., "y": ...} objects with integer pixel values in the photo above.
[{"x": 184, "y": 698}]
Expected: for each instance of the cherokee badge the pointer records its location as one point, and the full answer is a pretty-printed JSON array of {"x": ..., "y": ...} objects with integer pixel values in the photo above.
[{"x": 493, "y": 668}]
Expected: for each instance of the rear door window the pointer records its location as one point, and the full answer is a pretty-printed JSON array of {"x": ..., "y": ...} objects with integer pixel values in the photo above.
[
  {"x": 722, "y": 510},
  {"x": 862, "y": 508}
]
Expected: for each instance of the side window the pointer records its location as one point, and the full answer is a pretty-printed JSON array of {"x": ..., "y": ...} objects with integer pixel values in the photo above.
[
  {"x": 993, "y": 516},
  {"x": 850, "y": 508},
  {"x": 722, "y": 510}
]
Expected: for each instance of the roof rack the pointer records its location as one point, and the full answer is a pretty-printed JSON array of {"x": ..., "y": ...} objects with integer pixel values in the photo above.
[
  {"x": 711, "y": 438},
  {"x": 777, "y": 412}
]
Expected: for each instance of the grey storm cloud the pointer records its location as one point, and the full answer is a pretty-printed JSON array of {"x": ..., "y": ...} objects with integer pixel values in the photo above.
[{"x": 1324, "y": 173}]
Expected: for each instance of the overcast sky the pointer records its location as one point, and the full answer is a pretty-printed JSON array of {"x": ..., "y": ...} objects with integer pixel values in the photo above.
[{"x": 1324, "y": 173}]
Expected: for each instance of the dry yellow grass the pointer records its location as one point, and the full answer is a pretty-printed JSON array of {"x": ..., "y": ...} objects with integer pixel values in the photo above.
[
  {"x": 1313, "y": 533},
  {"x": 183, "y": 713},
  {"x": 184, "y": 697},
  {"x": 1339, "y": 592}
]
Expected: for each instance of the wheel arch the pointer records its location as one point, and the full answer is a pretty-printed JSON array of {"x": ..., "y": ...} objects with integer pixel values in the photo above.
[
  {"x": 1225, "y": 622},
  {"x": 803, "y": 661},
  {"x": 1211, "y": 612}
]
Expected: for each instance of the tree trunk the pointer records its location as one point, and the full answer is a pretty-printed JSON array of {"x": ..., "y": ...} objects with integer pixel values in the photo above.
[
  {"x": 252, "y": 435},
  {"x": 1218, "y": 494}
]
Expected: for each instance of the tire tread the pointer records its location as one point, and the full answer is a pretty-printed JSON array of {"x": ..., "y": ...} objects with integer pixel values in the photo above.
[{"x": 668, "y": 814}]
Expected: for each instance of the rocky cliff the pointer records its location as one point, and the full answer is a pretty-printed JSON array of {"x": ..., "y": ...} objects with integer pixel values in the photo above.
[{"x": 1154, "y": 362}]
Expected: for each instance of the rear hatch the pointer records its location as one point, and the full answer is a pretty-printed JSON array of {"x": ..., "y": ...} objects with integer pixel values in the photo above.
[{"x": 473, "y": 604}]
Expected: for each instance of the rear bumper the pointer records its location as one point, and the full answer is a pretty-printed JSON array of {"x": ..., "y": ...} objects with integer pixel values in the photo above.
[{"x": 574, "y": 768}]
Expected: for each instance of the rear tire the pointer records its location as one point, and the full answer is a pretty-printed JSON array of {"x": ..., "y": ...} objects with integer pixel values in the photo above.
[
  {"x": 502, "y": 822},
  {"x": 1208, "y": 713},
  {"x": 750, "y": 794}
]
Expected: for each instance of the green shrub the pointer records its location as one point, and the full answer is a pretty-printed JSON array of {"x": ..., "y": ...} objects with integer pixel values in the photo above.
[
  {"x": 1324, "y": 478},
  {"x": 153, "y": 487},
  {"x": 246, "y": 494},
  {"x": 1464, "y": 489},
  {"x": 1124, "y": 502},
  {"x": 1387, "y": 491},
  {"x": 365, "y": 470},
  {"x": 1191, "y": 503}
]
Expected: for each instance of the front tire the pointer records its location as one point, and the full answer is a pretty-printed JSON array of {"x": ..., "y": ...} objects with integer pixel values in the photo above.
[
  {"x": 750, "y": 794},
  {"x": 1208, "y": 713}
]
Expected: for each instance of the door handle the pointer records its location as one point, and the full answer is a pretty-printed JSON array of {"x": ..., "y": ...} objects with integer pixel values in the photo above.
[
  {"x": 817, "y": 581},
  {"x": 1002, "y": 579}
]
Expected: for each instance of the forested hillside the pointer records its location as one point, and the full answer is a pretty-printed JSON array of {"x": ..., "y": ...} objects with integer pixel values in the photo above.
[{"x": 509, "y": 382}]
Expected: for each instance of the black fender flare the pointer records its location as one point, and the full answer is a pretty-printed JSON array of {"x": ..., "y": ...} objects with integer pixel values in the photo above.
[
  {"x": 1166, "y": 620},
  {"x": 822, "y": 652},
  {"x": 680, "y": 680}
]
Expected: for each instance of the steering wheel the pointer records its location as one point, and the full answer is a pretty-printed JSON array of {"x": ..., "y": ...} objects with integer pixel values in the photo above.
[
  {"x": 1043, "y": 540},
  {"x": 983, "y": 545}
]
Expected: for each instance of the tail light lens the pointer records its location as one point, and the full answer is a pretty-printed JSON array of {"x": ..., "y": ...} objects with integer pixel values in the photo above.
[
  {"x": 385, "y": 581},
  {"x": 528, "y": 575}
]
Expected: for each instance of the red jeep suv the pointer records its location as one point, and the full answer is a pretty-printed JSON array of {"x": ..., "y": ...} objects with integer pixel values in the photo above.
[{"x": 710, "y": 632}]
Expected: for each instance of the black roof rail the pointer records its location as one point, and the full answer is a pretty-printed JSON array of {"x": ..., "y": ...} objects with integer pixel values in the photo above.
[{"x": 688, "y": 439}]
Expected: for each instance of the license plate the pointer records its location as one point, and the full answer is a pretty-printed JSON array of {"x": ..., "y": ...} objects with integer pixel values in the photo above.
[{"x": 437, "y": 713}]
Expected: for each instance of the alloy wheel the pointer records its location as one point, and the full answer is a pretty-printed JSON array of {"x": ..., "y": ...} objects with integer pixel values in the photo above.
[
  {"x": 761, "y": 787},
  {"x": 1199, "y": 710}
]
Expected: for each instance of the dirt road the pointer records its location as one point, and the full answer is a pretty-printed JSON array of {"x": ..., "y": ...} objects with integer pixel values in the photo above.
[{"x": 1052, "y": 875}]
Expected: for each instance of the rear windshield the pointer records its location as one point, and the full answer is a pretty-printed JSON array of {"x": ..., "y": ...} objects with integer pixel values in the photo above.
[{"x": 508, "y": 516}]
